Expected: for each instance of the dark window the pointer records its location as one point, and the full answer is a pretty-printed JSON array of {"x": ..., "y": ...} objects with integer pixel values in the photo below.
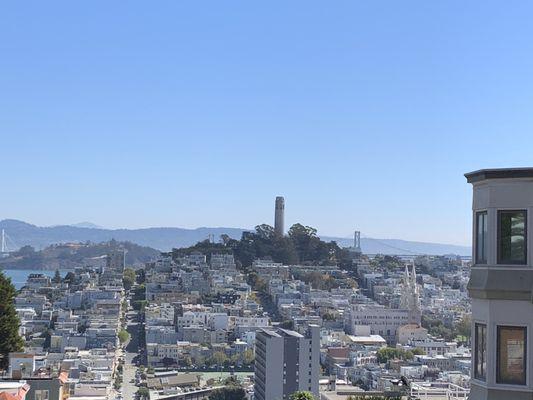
[
  {"x": 480, "y": 359},
  {"x": 481, "y": 237},
  {"x": 511, "y": 355},
  {"x": 512, "y": 237}
]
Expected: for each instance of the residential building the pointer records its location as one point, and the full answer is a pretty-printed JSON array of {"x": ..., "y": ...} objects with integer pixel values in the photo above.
[
  {"x": 501, "y": 284},
  {"x": 286, "y": 362}
]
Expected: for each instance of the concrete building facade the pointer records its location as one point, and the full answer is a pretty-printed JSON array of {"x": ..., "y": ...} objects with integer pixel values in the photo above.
[
  {"x": 286, "y": 362},
  {"x": 501, "y": 284},
  {"x": 381, "y": 320}
]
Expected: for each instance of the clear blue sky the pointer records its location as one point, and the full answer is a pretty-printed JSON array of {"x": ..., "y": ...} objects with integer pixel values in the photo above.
[{"x": 171, "y": 113}]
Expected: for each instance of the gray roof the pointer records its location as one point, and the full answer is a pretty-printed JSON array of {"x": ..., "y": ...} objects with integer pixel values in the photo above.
[{"x": 498, "y": 173}]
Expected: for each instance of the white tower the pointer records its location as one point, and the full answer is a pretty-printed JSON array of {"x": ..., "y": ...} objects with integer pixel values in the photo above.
[{"x": 279, "y": 216}]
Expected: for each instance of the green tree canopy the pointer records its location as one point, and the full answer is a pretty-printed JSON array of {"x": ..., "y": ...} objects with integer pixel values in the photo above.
[
  {"x": 143, "y": 393},
  {"x": 128, "y": 279},
  {"x": 302, "y": 395},
  {"x": 248, "y": 356},
  {"x": 57, "y": 277},
  {"x": 10, "y": 340},
  {"x": 301, "y": 245},
  {"x": 69, "y": 278},
  {"x": 231, "y": 392},
  {"x": 390, "y": 353},
  {"x": 218, "y": 358},
  {"x": 123, "y": 336}
]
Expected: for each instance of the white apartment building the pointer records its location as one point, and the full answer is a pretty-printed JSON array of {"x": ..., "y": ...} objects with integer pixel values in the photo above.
[
  {"x": 210, "y": 320},
  {"x": 434, "y": 347},
  {"x": 253, "y": 322},
  {"x": 162, "y": 314},
  {"x": 381, "y": 320},
  {"x": 411, "y": 332}
]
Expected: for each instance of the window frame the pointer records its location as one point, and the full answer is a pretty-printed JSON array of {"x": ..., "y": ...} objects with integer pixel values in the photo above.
[
  {"x": 478, "y": 362},
  {"x": 485, "y": 237},
  {"x": 499, "y": 381},
  {"x": 499, "y": 260}
]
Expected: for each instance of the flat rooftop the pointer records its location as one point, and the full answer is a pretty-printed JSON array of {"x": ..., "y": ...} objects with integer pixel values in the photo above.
[{"x": 499, "y": 173}]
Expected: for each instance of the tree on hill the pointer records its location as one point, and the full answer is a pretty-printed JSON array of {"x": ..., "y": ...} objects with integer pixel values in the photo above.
[
  {"x": 10, "y": 340},
  {"x": 301, "y": 245}
]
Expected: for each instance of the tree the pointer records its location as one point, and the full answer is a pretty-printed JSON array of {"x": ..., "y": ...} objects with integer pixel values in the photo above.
[
  {"x": 437, "y": 328},
  {"x": 69, "y": 277},
  {"x": 123, "y": 336},
  {"x": 235, "y": 359},
  {"x": 218, "y": 358},
  {"x": 389, "y": 353},
  {"x": 248, "y": 356},
  {"x": 128, "y": 279},
  {"x": 143, "y": 393},
  {"x": 225, "y": 239},
  {"x": 464, "y": 327},
  {"x": 10, "y": 340},
  {"x": 26, "y": 251},
  {"x": 186, "y": 361},
  {"x": 329, "y": 316},
  {"x": 287, "y": 324},
  {"x": 139, "y": 305},
  {"x": 168, "y": 362},
  {"x": 265, "y": 231},
  {"x": 57, "y": 277},
  {"x": 301, "y": 395},
  {"x": 231, "y": 392},
  {"x": 301, "y": 245}
]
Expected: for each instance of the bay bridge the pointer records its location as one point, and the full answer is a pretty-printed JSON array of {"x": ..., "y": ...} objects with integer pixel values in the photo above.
[{"x": 7, "y": 244}]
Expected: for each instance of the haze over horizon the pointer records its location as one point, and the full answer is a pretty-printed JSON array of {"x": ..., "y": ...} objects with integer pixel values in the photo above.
[
  {"x": 90, "y": 225},
  {"x": 170, "y": 115}
]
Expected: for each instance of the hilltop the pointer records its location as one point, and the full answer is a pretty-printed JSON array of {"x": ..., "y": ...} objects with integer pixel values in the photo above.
[
  {"x": 166, "y": 238},
  {"x": 72, "y": 255}
]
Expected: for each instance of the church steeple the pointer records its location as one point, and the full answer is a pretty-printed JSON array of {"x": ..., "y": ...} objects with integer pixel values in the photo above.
[{"x": 410, "y": 295}]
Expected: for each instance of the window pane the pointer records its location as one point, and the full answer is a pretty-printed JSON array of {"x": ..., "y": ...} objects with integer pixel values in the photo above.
[
  {"x": 511, "y": 363},
  {"x": 512, "y": 237},
  {"x": 480, "y": 361},
  {"x": 481, "y": 237}
]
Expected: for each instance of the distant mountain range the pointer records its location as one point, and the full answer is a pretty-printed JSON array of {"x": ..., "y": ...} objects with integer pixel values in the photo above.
[{"x": 20, "y": 233}]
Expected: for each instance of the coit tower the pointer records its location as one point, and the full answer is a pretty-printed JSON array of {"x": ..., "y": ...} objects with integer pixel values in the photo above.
[{"x": 279, "y": 216}]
